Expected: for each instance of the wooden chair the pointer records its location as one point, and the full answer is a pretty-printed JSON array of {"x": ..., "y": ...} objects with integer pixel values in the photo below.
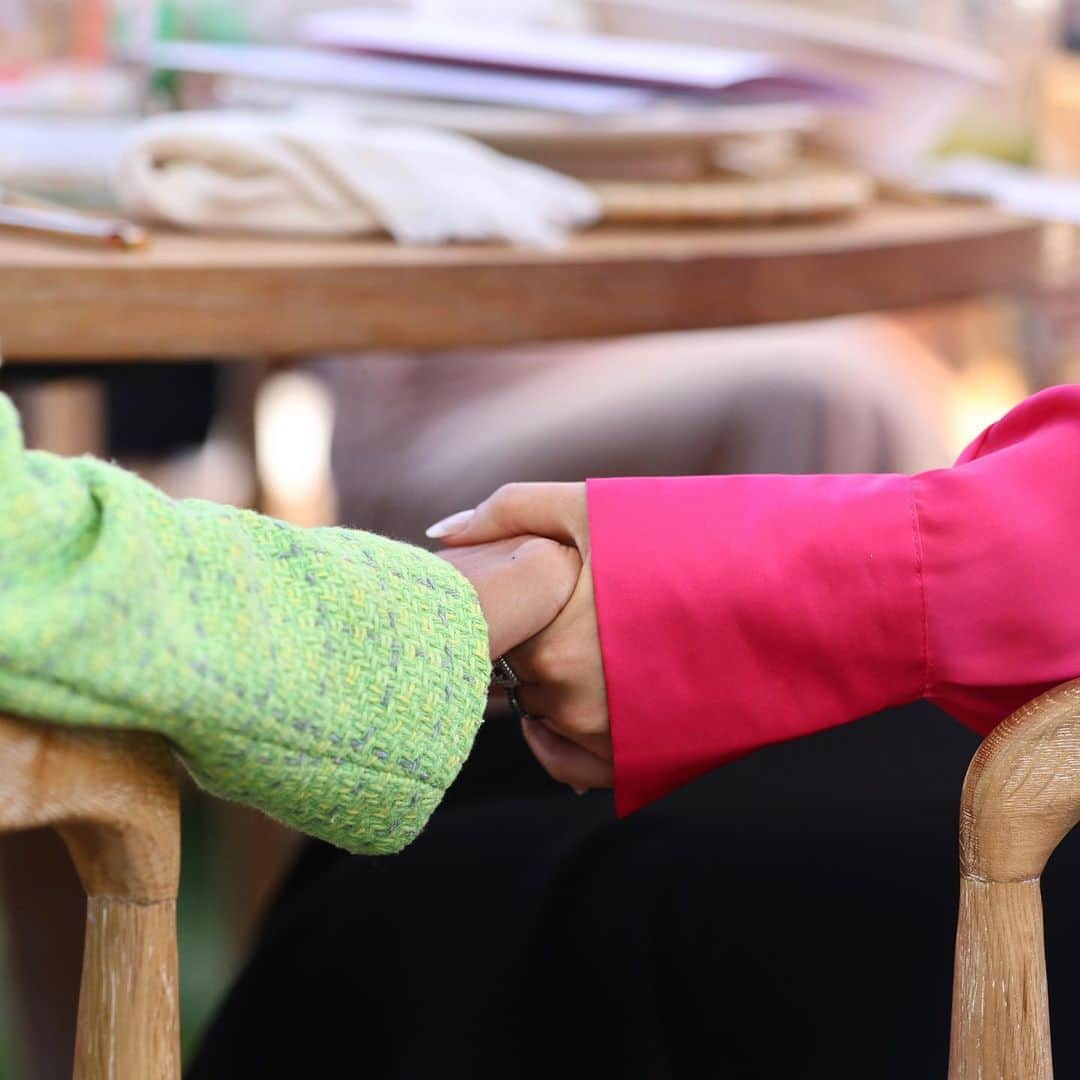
[
  {"x": 113, "y": 799},
  {"x": 1021, "y": 797}
]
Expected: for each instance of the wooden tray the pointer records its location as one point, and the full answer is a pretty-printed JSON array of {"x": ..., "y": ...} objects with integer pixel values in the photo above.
[{"x": 807, "y": 191}]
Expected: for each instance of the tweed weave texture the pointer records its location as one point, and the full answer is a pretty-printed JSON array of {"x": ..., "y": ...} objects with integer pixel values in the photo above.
[{"x": 333, "y": 679}]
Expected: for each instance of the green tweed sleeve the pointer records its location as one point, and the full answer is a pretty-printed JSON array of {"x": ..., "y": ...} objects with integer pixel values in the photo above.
[{"x": 332, "y": 678}]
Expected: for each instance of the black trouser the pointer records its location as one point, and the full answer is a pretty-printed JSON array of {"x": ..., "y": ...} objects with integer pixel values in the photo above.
[{"x": 789, "y": 916}]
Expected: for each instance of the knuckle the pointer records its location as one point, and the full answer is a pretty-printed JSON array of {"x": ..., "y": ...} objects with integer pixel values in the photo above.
[
  {"x": 556, "y": 722},
  {"x": 503, "y": 496},
  {"x": 559, "y": 770},
  {"x": 572, "y": 722},
  {"x": 497, "y": 508},
  {"x": 549, "y": 658}
]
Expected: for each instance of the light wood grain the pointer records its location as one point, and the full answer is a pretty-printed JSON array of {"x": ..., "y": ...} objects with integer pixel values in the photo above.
[
  {"x": 1001, "y": 1015},
  {"x": 191, "y": 296},
  {"x": 129, "y": 973},
  {"x": 806, "y": 191},
  {"x": 1021, "y": 797},
  {"x": 113, "y": 799}
]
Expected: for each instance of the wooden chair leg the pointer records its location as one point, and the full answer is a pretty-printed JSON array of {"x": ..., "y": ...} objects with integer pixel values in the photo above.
[
  {"x": 1021, "y": 798},
  {"x": 113, "y": 799}
]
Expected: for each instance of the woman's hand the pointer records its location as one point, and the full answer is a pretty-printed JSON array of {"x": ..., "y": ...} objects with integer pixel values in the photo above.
[
  {"x": 523, "y": 583},
  {"x": 561, "y": 668}
]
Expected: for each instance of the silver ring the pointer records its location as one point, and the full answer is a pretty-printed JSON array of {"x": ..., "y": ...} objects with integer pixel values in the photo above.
[
  {"x": 502, "y": 674},
  {"x": 515, "y": 704}
]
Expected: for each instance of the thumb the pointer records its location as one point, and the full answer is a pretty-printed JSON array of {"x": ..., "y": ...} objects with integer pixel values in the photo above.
[{"x": 557, "y": 511}]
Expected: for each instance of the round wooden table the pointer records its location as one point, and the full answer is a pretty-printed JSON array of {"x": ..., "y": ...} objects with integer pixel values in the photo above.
[
  {"x": 199, "y": 296},
  {"x": 190, "y": 297}
]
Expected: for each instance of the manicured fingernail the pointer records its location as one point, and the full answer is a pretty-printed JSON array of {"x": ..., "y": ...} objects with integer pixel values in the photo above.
[
  {"x": 450, "y": 525},
  {"x": 578, "y": 790}
]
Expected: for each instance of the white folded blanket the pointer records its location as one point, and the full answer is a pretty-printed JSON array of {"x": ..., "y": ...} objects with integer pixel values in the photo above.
[{"x": 328, "y": 175}]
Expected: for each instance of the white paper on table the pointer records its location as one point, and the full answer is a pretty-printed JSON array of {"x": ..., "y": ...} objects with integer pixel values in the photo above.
[
  {"x": 61, "y": 154},
  {"x": 414, "y": 79},
  {"x": 538, "y": 50},
  {"x": 1027, "y": 192}
]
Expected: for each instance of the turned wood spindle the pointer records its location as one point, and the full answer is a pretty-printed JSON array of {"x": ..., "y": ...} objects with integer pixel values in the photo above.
[
  {"x": 1021, "y": 798},
  {"x": 113, "y": 799}
]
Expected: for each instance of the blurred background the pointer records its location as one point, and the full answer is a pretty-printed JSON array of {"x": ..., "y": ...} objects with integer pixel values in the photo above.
[{"x": 392, "y": 442}]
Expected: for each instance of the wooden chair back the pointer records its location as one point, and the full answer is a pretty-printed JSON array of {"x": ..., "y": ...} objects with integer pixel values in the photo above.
[
  {"x": 113, "y": 799},
  {"x": 1021, "y": 797}
]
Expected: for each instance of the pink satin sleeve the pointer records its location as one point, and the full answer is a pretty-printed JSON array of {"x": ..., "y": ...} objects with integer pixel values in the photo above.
[{"x": 739, "y": 611}]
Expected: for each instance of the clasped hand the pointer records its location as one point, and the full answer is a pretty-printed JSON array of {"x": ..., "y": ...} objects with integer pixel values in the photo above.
[{"x": 526, "y": 551}]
